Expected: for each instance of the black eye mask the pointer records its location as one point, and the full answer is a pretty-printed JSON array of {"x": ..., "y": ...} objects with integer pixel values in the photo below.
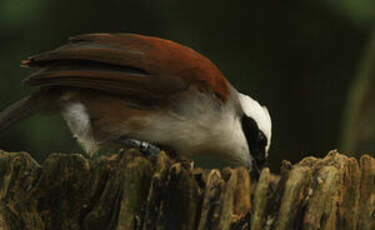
[{"x": 257, "y": 143}]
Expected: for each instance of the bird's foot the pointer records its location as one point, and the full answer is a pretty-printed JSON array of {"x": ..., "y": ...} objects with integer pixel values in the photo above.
[{"x": 145, "y": 147}]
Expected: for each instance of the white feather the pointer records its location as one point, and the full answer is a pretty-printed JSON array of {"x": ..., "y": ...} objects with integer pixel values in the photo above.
[
  {"x": 79, "y": 123},
  {"x": 201, "y": 126}
]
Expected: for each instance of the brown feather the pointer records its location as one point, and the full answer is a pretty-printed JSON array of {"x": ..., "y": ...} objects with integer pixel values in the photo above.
[{"x": 127, "y": 64}]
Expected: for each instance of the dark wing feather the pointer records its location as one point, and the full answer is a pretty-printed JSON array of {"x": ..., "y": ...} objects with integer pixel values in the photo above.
[
  {"x": 117, "y": 80},
  {"x": 127, "y": 64}
]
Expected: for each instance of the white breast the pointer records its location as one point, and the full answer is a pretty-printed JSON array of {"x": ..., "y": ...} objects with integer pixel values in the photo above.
[
  {"x": 78, "y": 121},
  {"x": 203, "y": 129}
]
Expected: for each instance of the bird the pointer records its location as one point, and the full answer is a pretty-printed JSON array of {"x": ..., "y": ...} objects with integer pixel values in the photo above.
[{"x": 114, "y": 89}]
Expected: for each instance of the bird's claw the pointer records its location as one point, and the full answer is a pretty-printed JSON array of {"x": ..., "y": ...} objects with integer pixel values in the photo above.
[{"x": 145, "y": 147}]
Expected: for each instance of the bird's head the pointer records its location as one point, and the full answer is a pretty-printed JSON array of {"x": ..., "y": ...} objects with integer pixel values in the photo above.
[{"x": 256, "y": 125}]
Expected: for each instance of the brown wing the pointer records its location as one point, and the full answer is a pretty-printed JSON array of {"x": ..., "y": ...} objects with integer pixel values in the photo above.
[{"x": 129, "y": 65}]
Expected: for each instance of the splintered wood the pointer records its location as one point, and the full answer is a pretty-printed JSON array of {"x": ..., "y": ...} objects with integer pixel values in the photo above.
[{"x": 129, "y": 191}]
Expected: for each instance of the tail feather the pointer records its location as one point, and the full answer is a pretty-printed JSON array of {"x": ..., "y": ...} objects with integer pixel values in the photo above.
[{"x": 18, "y": 111}]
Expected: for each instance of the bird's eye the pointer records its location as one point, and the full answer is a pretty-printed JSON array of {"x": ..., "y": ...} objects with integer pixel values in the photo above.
[{"x": 255, "y": 137}]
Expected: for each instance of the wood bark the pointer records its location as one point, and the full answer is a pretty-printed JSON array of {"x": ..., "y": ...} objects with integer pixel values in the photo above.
[{"x": 130, "y": 191}]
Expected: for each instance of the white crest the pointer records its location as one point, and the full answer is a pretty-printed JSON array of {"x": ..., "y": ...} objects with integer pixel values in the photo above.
[{"x": 260, "y": 115}]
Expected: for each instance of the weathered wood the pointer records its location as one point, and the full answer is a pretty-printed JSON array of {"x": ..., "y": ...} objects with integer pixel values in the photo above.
[{"x": 130, "y": 191}]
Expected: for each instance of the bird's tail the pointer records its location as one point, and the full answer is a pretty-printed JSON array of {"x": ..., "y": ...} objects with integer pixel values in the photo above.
[{"x": 24, "y": 108}]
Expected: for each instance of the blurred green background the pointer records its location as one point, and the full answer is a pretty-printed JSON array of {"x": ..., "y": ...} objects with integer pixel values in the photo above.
[{"x": 297, "y": 57}]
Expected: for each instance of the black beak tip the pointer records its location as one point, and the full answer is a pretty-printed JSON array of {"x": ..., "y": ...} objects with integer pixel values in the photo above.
[{"x": 256, "y": 169}]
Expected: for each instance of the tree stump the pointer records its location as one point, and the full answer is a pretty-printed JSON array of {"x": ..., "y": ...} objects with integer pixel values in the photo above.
[{"x": 130, "y": 191}]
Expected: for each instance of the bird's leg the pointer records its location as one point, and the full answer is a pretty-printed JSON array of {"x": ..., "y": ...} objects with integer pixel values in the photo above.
[{"x": 143, "y": 146}]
